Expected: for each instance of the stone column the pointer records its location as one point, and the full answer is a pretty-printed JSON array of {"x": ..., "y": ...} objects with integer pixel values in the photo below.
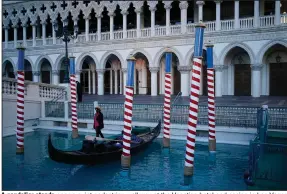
[
  {"x": 167, "y": 7},
  {"x": 256, "y": 79},
  {"x": 183, "y": 5},
  {"x": 236, "y": 14},
  {"x": 6, "y": 36},
  {"x": 256, "y": 21},
  {"x": 44, "y": 32},
  {"x": 94, "y": 82},
  {"x": 121, "y": 82},
  {"x": 262, "y": 7},
  {"x": 24, "y": 34},
  {"x": 111, "y": 81},
  {"x": 125, "y": 13},
  {"x": 152, "y": 25},
  {"x": 15, "y": 35},
  {"x": 36, "y": 76},
  {"x": 138, "y": 11},
  {"x": 87, "y": 29},
  {"x": 54, "y": 33},
  {"x": 55, "y": 74},
  {"x": 277, "y": 13},
  {"x": 218, "y": 13},
  {"x": 99, "y": 17},
  {"x": 144, "y": 80},
  {"x": 200, "y": 10},
  {"x": 184, "y": 79},
  {"x": 154, "y": 71},
  {"x": 89, "y": 80},
  {"x": 116, "y": 81},
  {"x": 100, "y": 73},
  {"x": 218, "y": 80},
  {"x": 124, "y": 71},
  {"x": 111, "y": 25},
  {"x": 34, "y": 34}
]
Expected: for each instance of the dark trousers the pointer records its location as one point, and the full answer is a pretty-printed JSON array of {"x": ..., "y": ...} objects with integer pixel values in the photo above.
[
  {"x": 79, "y": 97},
  {"x": 99, "y": 132}
]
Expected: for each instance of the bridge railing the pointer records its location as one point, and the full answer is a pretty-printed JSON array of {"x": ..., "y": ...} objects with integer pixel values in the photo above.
[{"x": 225, "y": 115}]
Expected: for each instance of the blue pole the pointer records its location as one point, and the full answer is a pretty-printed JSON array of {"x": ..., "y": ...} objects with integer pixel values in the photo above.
[
  {"x": 168, "y": 59},
  {"x": 72, "y": 65},
  {"x": 130, "y": 71},
  {"x": 209, "y": 52},
  {"x": 21, "y": 57},
  {"x": 198, "y": 42}
]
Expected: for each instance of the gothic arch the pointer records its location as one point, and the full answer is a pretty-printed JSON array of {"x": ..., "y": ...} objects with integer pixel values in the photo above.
[
  {"x": 81, "y": 58},
  {"x": 58, "y": 62},
  {"x": 5, "y": 60},
  {"x": 142, "y": 51},
  {"x": 37, "y": 64},
  {"x": 188, "y": 57},
  {"x": 106, "y": 56},
  {"x": 267, "y": 46},
  {"x": 240, "y": 45},
  {"x": 159, "y": 55},
  {"x": 31, "y": 62}
]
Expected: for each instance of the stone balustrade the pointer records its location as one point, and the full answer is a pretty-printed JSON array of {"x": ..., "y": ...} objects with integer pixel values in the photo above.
[{"x": 33, "y": 90}]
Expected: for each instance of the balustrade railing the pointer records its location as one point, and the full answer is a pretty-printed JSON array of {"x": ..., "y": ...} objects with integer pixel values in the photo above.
[
  {"x": 225, "y": 115},
  {"x": 226, "y": 25},
  {"x": 33, "y": 90},
  {"x": 118, "y": 35},
  {"x": 266, "y": 21},
  {"x": 105, "y": 36},
  {"x": 246, "y": 23}
]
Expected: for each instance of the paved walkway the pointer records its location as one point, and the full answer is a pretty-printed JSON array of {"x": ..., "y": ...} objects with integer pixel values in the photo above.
[{"x": 221, "y": 101}]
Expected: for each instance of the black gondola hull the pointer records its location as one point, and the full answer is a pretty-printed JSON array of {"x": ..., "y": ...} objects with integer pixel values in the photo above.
[{"x": 79, "y": 157}]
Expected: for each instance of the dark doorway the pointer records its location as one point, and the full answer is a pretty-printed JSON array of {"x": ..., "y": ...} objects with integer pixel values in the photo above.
[
  {"x": 242, "y": 80},
  {"x": 204, "y": 80},
  {"x": 278, "y": 79}
]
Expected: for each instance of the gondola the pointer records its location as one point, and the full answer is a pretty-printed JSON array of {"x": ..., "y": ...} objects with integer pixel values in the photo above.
[{"x": 101, "y": 153}]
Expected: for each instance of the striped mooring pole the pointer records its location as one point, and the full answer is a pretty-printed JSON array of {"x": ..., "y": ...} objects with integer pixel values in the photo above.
[
  {"x": 73, "y": 88},
  {"x": 20, "y": 101},
  {"x": 211, "y": 100},
  {"x": 167, "y": 100},
  {"x": 194, "y": 99},
  {"x": 128, "y": 113}
]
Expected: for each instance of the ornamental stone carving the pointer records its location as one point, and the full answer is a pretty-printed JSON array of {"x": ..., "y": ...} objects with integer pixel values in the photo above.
[
  {"x": 183, "y": 5},
  {"x": 218, "y": 1},
  {"x": 56, "y": 72},
  {"x": 256, "y": 67},
  {"x": 219, "y": 68},
  {"x": 200, "y": 3},
  {"x": 124, "y": 70},
  {"x": 152, "y": 5},
  {"x": 153, "y": 69},
  {"x": 111, "y": 7},
  {"x": 6, "y": 23},
  {"x": 184, "y": 69},
  {"x": 100, "y": 71},
  {"x": 167, "y": 4},
  {"x": 124, "y": 6},
  {"x": 36, "y": 73}
]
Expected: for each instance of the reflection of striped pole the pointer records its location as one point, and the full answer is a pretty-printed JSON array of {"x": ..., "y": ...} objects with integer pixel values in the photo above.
[
  {"x": 73, "y": 98},
  {"x": 211, "y": 102},
  {"x": 194, "y": 99},
  {"x": 167, "y": 93},
  {"x": 20, "y": 101},
  {"x": 128, "y": 113}
]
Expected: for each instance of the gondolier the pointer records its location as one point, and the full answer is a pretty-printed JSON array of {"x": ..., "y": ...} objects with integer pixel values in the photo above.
[{"x": 98, "y": 122}]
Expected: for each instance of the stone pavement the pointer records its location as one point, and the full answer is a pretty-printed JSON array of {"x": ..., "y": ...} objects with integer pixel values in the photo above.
[{"x": 239, "y": 101}]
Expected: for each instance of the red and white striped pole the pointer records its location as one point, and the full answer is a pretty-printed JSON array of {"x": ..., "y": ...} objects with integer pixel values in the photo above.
[
  {"x": 73, "y": 86},
  {"x": 211, "y": 100},
  {"x": 194, "y": 99},
  {"x": 20, "y": 101},
  {"x": 167, "y": 100},
  {"x": 128, "y": 113}
]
